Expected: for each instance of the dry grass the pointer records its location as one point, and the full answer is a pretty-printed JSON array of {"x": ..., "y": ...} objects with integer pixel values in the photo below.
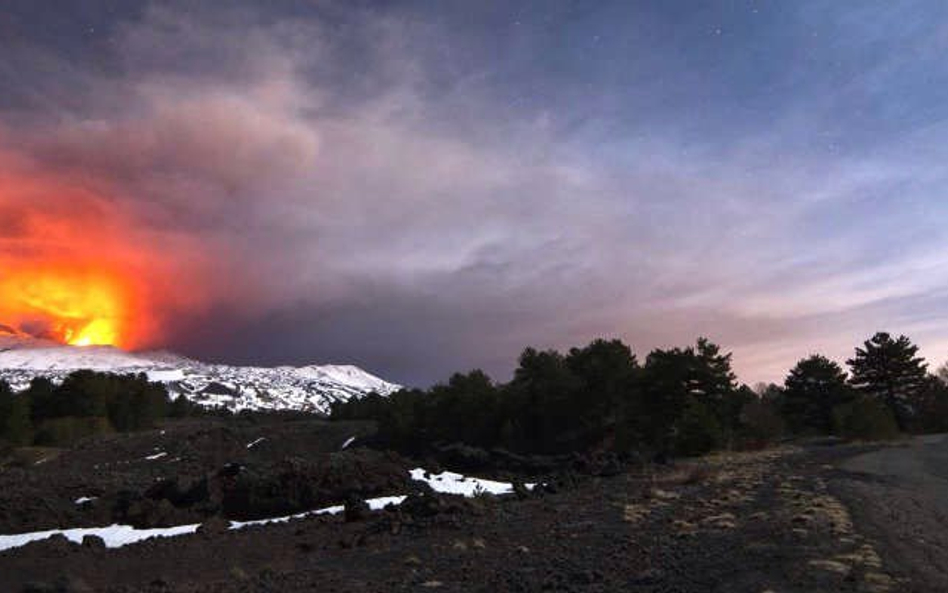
[{"x": 686, "y": 475}]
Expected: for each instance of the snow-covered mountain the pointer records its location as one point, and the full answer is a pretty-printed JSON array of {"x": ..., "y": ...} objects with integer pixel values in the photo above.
[{"x": 308, "y": 388}]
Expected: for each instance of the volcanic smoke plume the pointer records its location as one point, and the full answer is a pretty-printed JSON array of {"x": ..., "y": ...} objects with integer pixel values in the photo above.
[{"x": 77, "y": 268}]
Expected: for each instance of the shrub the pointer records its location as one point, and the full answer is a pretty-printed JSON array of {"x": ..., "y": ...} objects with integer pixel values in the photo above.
[
  {"x": 182, "y": 407},
  {"x": 761, "y": 423},
  {"x": 865, "y": 419}
]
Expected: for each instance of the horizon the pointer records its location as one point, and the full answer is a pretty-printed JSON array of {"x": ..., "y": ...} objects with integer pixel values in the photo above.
[
  {"x": 844, "y": 365},
  {"x": 422, "y": 189}
]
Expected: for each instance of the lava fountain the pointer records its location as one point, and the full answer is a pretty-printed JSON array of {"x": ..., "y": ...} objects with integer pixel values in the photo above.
[{"x": 74, "y": 305}]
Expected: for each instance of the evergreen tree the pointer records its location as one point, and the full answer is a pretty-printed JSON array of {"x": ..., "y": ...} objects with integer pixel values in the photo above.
[
  {"x": 716, "y": 384},
  {"x": 698, "y": 429},
  {"x": 713, "y": 378},
  {"x": 41, "y": 396},
  {"x": 15, "y": 425},
  {"x": 666, "y": 386},
  {"x": 181, "y": 407},
  {"x": 607, "y": 373},
  {"x": 543, "y": 391},
  {"x": 123, "y": 402},
  {"x": 771, "y": 394},
  {"x": 890, "y": 371},
  {"x": 932, "y": 407},
  {"x": 463, "y": 410},
  {"x": 813, "y": 388},
  {"x": 595, "y": 398},
  {"x": 398, "y": 421},
  {"x": 82, "y": 394},
  {"x": 679, "y": 379}
]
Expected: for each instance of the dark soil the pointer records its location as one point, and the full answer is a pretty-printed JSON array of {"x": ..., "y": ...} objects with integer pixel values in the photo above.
[{"x": 751, "y": 522}]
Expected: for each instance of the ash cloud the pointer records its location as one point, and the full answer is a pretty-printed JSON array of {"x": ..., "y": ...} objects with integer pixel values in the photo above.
[{"x": 341, "y": 183}]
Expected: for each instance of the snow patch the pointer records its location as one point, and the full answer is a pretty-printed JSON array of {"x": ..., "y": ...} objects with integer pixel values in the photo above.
[
  {"x": 348, "y": 442},
  {"x": 452, "y": 483},
  {"x": 165, "y": 375},
  {"x": 253, "y": 444},
  {"x": 375, "y": 504},
  {"x": 156, "y": 456},
  {"x": 114, "y": 536}
]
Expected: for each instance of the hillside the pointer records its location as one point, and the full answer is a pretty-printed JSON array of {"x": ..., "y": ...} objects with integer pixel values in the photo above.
[{"x": 309, "y": 388}]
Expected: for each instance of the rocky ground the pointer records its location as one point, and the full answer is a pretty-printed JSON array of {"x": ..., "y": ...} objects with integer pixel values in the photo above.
[{"x": 775, "y": 520}]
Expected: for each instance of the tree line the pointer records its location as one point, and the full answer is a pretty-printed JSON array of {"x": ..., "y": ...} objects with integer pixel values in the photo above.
[
  {"x": 679, "y": 401},
  {"x": 888, "y": 390},
  {"x": 85, "y": 403}
]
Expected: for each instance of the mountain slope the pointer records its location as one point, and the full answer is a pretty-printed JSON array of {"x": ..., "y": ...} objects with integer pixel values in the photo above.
[{"x": 307, "y": 388}]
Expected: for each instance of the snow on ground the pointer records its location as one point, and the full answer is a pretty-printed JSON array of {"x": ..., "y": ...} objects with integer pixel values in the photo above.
[
  {"x": 351, "y": 376},
  {"x": 156, "y": 456},
  {"x": 312, "y": 387},
  {"x": 375, "y": 504},
  {"x": 116, "y": 536},
  {"x": 165, "y": 375},
  {"x": 256, "y": 442},
  {"x": 452, "y": 483},
  {"x": 348, "y": 442},
  {"x": 85, "y": 499}
]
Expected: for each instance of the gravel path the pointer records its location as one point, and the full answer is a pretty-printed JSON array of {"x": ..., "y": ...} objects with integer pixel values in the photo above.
[{"x": 899, "y": 497}]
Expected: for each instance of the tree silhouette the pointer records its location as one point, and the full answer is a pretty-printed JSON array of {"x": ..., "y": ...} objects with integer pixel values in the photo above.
[
  {"x": 813, "y": 388},
  {"x": 15, "y": 425},
  {"x": 607, "y": 390},
  {"x": 595, "y": 398},
  {"x": 682, "y": 389},
  {"x": 889, "y": 370}
]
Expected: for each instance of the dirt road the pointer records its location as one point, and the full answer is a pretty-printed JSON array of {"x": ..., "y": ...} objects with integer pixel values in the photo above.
[{"x": 899, "y": 497}]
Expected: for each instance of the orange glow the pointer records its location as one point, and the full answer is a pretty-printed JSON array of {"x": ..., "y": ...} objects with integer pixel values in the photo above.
[
  {"x": 74, "y": 306},
  {"x": 82, "y": 264}
]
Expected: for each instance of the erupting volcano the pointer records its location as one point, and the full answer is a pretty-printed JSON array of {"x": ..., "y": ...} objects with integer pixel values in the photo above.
[{"x": 74, "y": 305}]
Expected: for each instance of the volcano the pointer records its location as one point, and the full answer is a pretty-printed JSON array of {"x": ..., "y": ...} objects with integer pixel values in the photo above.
[{"x": 311, "y": 388}]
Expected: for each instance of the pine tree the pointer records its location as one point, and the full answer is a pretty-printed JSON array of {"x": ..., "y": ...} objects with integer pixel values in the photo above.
[
  {"x": 607, "y": 373},
  {"x": 544, "y": 387},
  {"x": 715, "y": 383},
  {"x": 666, "y": 386},
  {"x": 813, "y": 388},
  {"x": 679, "y": 379},
  {"x": 890, "y": 371},
  {"x": 932, "y": 407},
  {"x": 15, "y": 425},
  {"x": 713, "y": 378}
]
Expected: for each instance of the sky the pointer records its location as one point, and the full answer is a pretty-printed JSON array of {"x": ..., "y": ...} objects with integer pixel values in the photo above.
[{"x": 426, "y": 187}]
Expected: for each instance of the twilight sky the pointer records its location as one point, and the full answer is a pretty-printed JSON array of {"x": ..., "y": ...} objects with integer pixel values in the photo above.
[{"x": 422, "y": 187}]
